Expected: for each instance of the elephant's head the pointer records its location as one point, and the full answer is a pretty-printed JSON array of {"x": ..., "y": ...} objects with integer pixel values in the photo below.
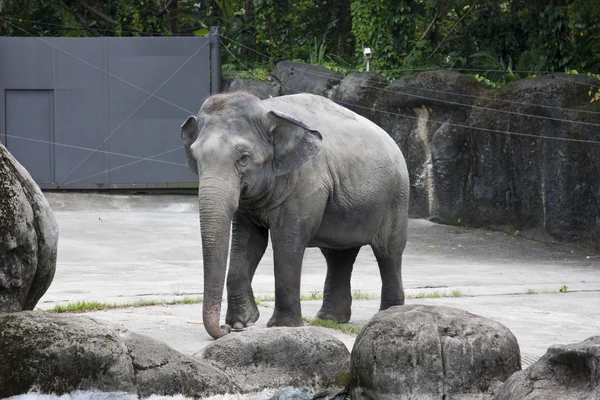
[{"x": 238, "y": 148}]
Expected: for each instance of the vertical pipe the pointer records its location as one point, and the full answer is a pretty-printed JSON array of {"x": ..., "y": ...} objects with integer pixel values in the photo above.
[{"x": 214, "y": 39}]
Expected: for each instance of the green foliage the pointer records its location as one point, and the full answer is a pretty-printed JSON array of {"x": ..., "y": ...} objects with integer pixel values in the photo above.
[
  {"x": 501, "y": 40},
  {"x": 387, "y": 27},
  {"x": 488, "y": 82},
  {"x": 594, "y": 91},
  {"x": 563, "y": 289},
  {"x": 258, "y": 74},
  {"x": 300, "y": 29}
]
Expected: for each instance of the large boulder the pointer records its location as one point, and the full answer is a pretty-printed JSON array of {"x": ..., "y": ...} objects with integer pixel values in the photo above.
[
  {"x": 498, "y": 157},
  {"x": 28, "y": 238},
  {"x": 297, "y": 77},
  {"x": 425, "y": 114},
  {"x": 55, "y": 353},
  {"x": 422, "y": 352},
  {"x": 159, "y": 369},
  {"x": 277, "y": 357},
  {"x": 565, "y": 372},
  {"x": 262, "y": 90},
  {"x": 360, "y": 91}
]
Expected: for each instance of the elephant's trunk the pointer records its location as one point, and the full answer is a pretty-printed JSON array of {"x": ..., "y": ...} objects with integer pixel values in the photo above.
[{"x": 218, "y": 201}]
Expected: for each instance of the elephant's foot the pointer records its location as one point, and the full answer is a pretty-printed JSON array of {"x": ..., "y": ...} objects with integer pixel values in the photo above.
[
  {"x": 240, "y": 316},
  {"x": 341, "y": 316},
  {"x": 386, "y": 303},
  {"x": 285, "y": 319}
]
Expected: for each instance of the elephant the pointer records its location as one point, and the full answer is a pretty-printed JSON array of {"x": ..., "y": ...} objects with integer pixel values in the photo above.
[{"x": 309, "y": 173}]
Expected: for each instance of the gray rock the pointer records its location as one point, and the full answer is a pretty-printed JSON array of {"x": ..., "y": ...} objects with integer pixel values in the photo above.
[
  {"x": 360, "y": 91},
  {"x": 437, "y": 154},
  {"x": 161, "y": 370},
  {"x": 279, "y": 357},
  {"x": 57, "y": 353},
  {"x": 262, "y": 90},
  {"x": 425, "y": 352},
  {"x": 28, "y": 238},
  {"x": 290, "y": 393},
  {"x": 488, "y": 176},
  {"x": 565, "y": 372},
  {"x": 296, "y": 77}
]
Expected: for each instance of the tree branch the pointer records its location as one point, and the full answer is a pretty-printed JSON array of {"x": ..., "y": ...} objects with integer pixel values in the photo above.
[
  {"x": 445, "y": 37},
  {"x": 83, "y": 22},
  {"x": 97, "y": 12},
  {"x": 435, "y": 17},
  {"x": 80, "y": 18}
]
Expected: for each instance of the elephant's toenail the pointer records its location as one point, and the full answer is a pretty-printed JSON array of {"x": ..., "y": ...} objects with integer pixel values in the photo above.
[{"x": 238, "y": 325}]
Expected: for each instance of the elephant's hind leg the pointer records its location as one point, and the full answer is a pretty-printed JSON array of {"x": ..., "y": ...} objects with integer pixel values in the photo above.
[
  {"x": 337, "y": 298},
  {"x": 389, "y": 259}
]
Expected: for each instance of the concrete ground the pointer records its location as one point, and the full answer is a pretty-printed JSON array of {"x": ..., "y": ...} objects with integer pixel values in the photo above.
[{"x": 123, "y": 248}]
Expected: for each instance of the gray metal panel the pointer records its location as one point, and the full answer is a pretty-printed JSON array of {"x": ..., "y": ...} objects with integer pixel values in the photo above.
[
  {"x": 26, "y": 63},
  {"x": 153, "y": 64},
  {"x": 81, "y": 111},
  {"x": 30, "y": 116},
  {"x": 98, "y": 83}
]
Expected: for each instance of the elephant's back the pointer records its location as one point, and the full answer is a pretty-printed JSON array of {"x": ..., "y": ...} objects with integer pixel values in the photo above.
[{"x": 339, "y": 126}]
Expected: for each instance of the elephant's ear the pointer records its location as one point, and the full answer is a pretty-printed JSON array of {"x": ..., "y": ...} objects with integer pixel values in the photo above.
[
  {"x": 189, "y": 134},
  {"x": 293, "y": 143}
]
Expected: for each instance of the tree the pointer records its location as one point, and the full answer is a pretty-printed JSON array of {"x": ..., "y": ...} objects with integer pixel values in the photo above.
[{"x": 497, "y": 36}]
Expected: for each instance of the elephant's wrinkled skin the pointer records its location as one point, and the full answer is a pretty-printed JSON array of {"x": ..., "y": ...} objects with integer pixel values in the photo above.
[{"x": 312, "y": 173}]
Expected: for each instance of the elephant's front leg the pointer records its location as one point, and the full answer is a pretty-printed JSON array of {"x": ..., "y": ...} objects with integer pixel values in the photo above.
[
  {"x": 248, "y": 244},
  {"x": 289, "y": 244}
]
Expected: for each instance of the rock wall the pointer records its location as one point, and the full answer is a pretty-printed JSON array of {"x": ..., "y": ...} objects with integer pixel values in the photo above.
[
  {"x": 479, "y": 156},
  {"x": 28, "y": 238}
]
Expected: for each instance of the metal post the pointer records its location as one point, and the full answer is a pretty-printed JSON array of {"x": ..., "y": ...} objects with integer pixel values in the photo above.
[{"x": 214, "y": 39}]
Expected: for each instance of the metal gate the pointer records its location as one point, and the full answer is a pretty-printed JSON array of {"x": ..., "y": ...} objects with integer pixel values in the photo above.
[{"x": 97, "y": 113}]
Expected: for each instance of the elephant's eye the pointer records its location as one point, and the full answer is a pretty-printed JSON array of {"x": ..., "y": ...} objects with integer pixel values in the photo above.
[{"x": 244, "y": 159}]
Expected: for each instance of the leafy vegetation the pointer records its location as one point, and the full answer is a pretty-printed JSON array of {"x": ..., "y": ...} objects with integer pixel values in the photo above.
[{"x": 497, "y": 40}]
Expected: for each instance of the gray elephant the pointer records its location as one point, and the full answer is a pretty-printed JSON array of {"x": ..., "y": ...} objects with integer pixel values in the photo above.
[{"x": 313, "y": 174}]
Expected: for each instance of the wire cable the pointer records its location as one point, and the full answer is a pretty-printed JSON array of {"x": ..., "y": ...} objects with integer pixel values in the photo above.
[
  {"x": 90, "y": 149},
  {"x": 134, "y": 112},
  {"x": 506, "y": 132},
  {"x": 453, "y": 93},
  {"x": 151, "y": 158}
]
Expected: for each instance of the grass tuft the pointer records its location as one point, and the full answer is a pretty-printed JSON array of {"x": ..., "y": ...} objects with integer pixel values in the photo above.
[
  {"x": 358, "y": 295},
  {"x": 530, "y": 291},
  {"x": 563, "y": 289},
  {"x": 88, "y": 306},
  {"x": 316, "y": 295},
  {"x": 347, "y": 328},
  {"x": 436, "y": 294},
  {"x": 261, "y": 299}
]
